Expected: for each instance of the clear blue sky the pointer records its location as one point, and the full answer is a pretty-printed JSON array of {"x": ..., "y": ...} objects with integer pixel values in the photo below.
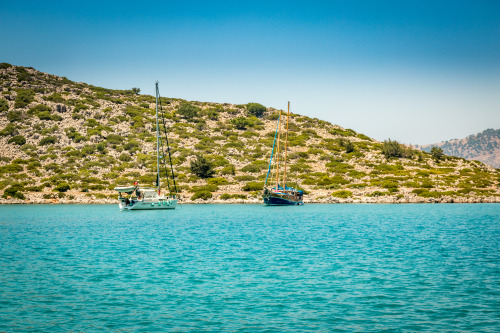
[{"x": 415, "y": 71}]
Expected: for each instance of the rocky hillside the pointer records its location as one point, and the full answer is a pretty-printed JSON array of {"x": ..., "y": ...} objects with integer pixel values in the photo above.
[
  {"x": 484, "y": 147},
  {"x": 63, "y": 141}
]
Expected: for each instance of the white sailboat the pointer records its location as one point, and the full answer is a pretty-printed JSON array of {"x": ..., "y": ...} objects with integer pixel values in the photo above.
[{"x": 148, "y": 197}]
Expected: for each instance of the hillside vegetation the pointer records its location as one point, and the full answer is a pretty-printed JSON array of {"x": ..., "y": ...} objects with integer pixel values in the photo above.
[
  {"x": 63, "y": 141},
  {"x": 484, "y": 147}
]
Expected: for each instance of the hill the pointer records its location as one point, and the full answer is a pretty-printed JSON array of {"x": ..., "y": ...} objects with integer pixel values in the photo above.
[
  {"x": 484, "y": 147},
  {"x": 64, "y": 141}
]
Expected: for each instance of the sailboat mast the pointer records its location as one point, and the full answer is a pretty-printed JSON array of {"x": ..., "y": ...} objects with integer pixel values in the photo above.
[
  {"x": 157, "y": 141},
  {"x": 286, "y": 145},
  {"x": 278, "y": 156}
]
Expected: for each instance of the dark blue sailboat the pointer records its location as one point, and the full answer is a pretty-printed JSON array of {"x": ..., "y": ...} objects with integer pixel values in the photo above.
[{"x": 281, "y": 195}]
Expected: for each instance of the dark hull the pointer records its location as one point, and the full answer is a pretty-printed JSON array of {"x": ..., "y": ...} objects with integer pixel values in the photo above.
[{"x": 272, "y": 200}]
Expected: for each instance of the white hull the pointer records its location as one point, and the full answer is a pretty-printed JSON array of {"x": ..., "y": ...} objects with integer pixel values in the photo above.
[{"x": 148, "y": 205}]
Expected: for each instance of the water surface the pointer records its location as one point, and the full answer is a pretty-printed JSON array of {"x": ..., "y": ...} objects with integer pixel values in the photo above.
[{"x": 250, "y": 268}]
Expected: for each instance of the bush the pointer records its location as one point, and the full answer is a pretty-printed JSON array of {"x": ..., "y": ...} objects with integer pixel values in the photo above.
[
  {"x": 218, "y": 181},
  {"x": 342, "y": 194},
  {"x": 226, "y": 196},
  {"x": 14, "y": 191},
  {"x": 5, "y": 65},
  {"x": 62, "y": 187},
  {"x": 256, "y": 109},
  {"x": 114, "y": 139},
  {"x": 14, "y": 116},
  {"x": 202, "y": 167},
  {"x": 347, "y": 145},
  {"x": 18, "y": 140},
  {"x": 392, "y": 149},
  {"x": 228, "y": 170},
  {"x": 125, "y": 157},
  {"x": 202, "y": 195},
  {"x": 4, "y": 106},
  {"x": 188, "y": 110},
  {"x": 240, "y": 123},
  {"x": 10, "y": 129},
  {"x": 49, "y": 140},
  {"x": 74, "y": 135},
  {"x": 253, "y": 186},
  {"x": 11, "y": 168},
  {"x": 23, "y": 98}
]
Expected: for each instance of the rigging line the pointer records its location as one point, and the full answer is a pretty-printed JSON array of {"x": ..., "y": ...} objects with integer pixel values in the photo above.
[
  {"x": 163, "y": 155},
  {"x": 165, "y": 164},
  {"x": 272, "y": 152},
  {"x": 168, "y": 148}
]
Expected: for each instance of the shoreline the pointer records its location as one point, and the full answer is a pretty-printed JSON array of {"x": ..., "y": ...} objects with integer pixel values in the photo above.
[{"x": 331, "y": 200}]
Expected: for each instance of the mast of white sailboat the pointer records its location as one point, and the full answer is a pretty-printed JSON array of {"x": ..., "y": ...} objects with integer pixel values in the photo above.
[
  {"x": 286, "y": 145},
  {"x": 157, "y": 141},
  {"x": 278, "y": 156}
]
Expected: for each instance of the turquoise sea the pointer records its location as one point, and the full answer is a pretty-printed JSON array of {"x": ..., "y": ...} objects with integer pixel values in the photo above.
[{"x": 250, "y": 268}]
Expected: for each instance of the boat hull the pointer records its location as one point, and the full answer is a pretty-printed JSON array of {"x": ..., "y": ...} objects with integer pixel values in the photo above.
[
  {"x": 149, "y": 205},
  {"x": 276, "y": 200}
]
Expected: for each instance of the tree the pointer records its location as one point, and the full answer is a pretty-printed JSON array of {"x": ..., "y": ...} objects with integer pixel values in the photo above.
[
  {"x": 437, "y": 153},
  {"x": 188, "y": 110},
  {"x": 136, "y": 90},
  {"x": 202, "y": 167},
  {"x": 256, "y": 109},
  {"x": 392, "y": 149}
]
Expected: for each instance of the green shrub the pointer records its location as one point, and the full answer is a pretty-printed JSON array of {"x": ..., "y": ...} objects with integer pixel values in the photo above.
[
  {"x": 228, "y": 170},
  {"x": 49, "y": 140},
  {"x": 14, "y": 191},
  {"x": 225, "y": 196},
  {"x": 11, "y": 168},
  {"x": 23, "y": 98},
  {"x": 188, "y": 110},
  {"x": 392, "y": 149},
  {"x": 125, "y": 157},
  {"x": 342, "y": 194},
  {"x": 4, "y": 106},
  {"x": 114, "y": 139},
  {"x": 218, "y": 181},
  {"x": 202, "y": 167},
  {"x": 253, "y": 186},
  {"x": 62, "y": 187},
  {"x": 18, "y": 140},
  {"x": 240, "y": 123},
  {"x": 14, "y": 116},
  {"x": 10, "y": 129},
  {"x": 256, "y": 109},
  {"x": 202, "y": 195},
  {"x": 74, "y": 135},
  {"x": 5, "y": 65}
]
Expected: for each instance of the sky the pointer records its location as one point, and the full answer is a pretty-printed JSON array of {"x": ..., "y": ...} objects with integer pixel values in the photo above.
[{"x": 414, "y": 71}]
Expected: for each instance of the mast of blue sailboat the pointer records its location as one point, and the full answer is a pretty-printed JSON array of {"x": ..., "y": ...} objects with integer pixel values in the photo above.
[
  {"x": 286, "y": 146},
  {"x": 157, "y": 142}
]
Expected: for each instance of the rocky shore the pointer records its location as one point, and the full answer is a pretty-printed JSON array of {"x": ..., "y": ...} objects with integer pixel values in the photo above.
[{"x": 85, "y": 198}]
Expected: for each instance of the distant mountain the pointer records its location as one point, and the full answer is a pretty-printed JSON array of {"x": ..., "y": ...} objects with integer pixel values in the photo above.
[{"x": 484, "y": 147}]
